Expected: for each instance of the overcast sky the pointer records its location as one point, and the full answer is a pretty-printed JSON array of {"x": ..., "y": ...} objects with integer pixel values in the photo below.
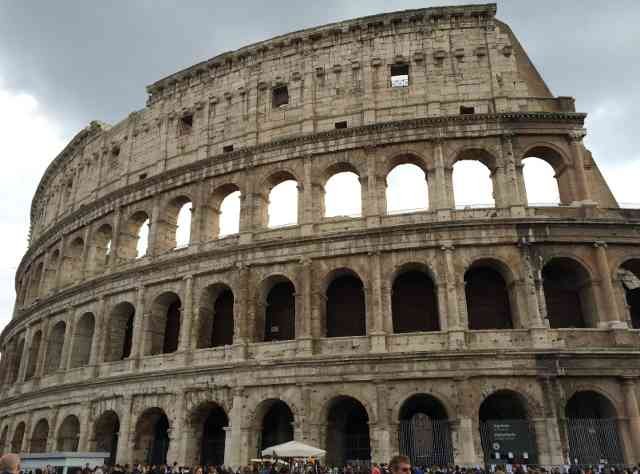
[{"x": 64, "y": 63}]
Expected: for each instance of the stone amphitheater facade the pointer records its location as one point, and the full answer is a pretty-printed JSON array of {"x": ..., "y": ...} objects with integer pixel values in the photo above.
[{"x": 335, "y": 331}]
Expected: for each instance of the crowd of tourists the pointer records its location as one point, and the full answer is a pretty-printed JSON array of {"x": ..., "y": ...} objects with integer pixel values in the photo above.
[{"x": 10, "y": 464}]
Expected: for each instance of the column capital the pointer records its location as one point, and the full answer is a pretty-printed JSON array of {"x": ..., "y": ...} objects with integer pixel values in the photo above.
[
  {"x": 628, "y": 380},
  {"x": 187, "y": 277},
  {"x": 448, "y": 247},
  {"x": 600, "y": 244},
  {"x": 576, "y": 136}
]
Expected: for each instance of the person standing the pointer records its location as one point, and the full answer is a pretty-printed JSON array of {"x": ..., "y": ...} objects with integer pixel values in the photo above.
[
  {"x": 10, "y": 464},
  {"x": 400, "y": 465}
]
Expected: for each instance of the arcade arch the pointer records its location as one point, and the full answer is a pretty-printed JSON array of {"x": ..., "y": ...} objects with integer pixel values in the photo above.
[
  {"x": 68, "y": 434},
  {"x": 40, "y": 437},
  {"x": 348, "y": 438},
  {"x": 630, "y": 278},
  {"x": 82, "y": 341},
  {"x": 488, "y": 296},
  {"x": 279, "y": 305},
  {"x": 345, "y": 305},
  {"x": 414, "y": 302},
  {"x": 407, "y": 188},
  {"x": 120, "y": 332},
  {"x": 215, "y": 315},
  {"x": 162, "y": 335},
  {"x": 282, "y": 201},
  {"x": 55, "y": 347},
  {"x": 152, "y": 437},
  {"x": 105, "y": 438},
  {"x": 343, "y": 193},
  {"x": 568, "y": 293}
]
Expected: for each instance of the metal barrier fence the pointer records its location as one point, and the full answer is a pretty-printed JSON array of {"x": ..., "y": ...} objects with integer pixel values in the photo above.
[
  {"x": 594, "y": 441},
  {"x": 427, "y": 442}
]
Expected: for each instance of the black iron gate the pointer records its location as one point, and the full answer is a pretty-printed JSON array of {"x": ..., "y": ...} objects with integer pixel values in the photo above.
[
  {"x": 508, "y": 441},
  {"x": 594, "y": 441},
  {"x": 426, "y": 441}
]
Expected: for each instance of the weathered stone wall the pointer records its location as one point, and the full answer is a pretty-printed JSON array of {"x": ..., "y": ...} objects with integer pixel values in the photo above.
[{"x": 65, "y": 351}]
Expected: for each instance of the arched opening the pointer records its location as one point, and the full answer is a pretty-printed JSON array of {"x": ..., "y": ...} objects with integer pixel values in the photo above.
[
  {"x": 34, "y": 351},
  {"x": 174, "y": 229},
  {"x": 568, "y": 294},
  {"x": 208, "y": 424},
  {"x": 343, "y": 195},
  {"x": 230, "y": 214},
  {"x": 280, "y": 309},
  {"x": 152, "y": 437},
  {"x": 163, "y": 327},
  {"x": 345, "y": 306},
  {"x": 106, "y": 431},
  {"x": 183, "y": 224},
  {"x": 540, "y": 182},
  {"x": 55, "y": 347},
  {"x": 425, "y": 431},
  {"x": 277, "y": 424},
  {"x": 282, "y": 207},
  {"x": 592, "y": 429},
  {"x": 414, "y": 303},
  {"x": 506, "y": 434},
  {"x": 488, "y": 305},
  {"x": 72, "y": 263},
  {"x": 134, "y": 241},
  {"x": 18, "y": 437},
  {"x": 3, "y": 440},
  {"x": 83, "y": 341},
  {"x": 347, "y": 439},
  {"x": 51, "y": 271},
  {"x": 473, "y": 184},
  {"x": 101, "y": 249},
  {"x": 40, "y": 437},
  {"x": 69, "y": 434},
  {"x": 630, "y": 278},
  {"x": 216, "y": 317},
  {"x": 547, "y": 178},
  {"x": 407, "y": 189},
  {"x": 120, "y": 333}
]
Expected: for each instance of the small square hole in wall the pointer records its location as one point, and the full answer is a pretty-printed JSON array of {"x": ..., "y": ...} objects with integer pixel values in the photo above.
[
  {"x": 280, "y": 96},
  {"x": 115, "y": 151},
  {"x": 341, "y": 125},
  {"x": 227, "y": 148},
  {"x": 467, "y": 110},
  {"x": 142, "y": 176},
  {"x": 186, "y": 124},
  {"x": 399, "y": 75}
]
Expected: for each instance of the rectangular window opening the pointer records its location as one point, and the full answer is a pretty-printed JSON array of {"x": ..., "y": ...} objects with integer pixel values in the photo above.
[
  {"x": 280, "y": 96},
  {"x": 186, "y": 124},
  {"x": 467, "y": 110},
  {"x": 341, "y": 125},
  {"x": 227, "y": 148},
  {"x": 400, "y": 75},
  {"x": 142, "y": 176}
]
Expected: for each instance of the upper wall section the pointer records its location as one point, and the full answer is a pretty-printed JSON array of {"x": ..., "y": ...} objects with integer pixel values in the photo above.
[{"x": 458, "y": 59}]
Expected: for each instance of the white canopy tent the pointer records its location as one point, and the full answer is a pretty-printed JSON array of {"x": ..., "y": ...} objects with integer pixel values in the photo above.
[{"x": 293, "y": 449}]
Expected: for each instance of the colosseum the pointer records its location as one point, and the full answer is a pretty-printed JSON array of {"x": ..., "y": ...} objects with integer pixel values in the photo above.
[{"x": 455, "y": 334}]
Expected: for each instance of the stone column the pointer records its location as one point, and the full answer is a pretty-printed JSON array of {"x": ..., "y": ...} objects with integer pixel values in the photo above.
[
  {"x": 154, "y": 228},
  {"x": 439, "y": 197},
  {"x": 44, "y": 344},
  {"x": 85, "y": 427},
  {"x": 381, "y": 431},
  {"x": 177, "y": 432},
  {"x": 115, "y": 238},
  {"x": 374, "y": 307},
  {"x": 464, "y": 448},
  {"x": 137, "y": 349},
  {"x": 548, "y": 433},
  {"x": 633, "y": 414},
  {"x": 99, "y": 335},
  {"x": 513, "y": 193},
  {"x": 234, "y": 439},
  {"x": 529, "y": 287},
  {"x": 125, "y": 436},
  {"x": 69, "y": 336},
  {"x": 303, "y": 312},
  {"x": 608, "y": 297},
  {"x": 457, "y": 322},
  {"x": 187, "y": 316},
  {"x": 52, "y": 438},
  {"x": 241, "y": 311},
  {"x": 85, "y": 265},
  {"x": 575, "y": 140},
  {"x": 60, "y": 262},
  {"x": 306, "y": 216},
  {"x": 373, "y": 202},
  {"x": 24, "y": 357}
]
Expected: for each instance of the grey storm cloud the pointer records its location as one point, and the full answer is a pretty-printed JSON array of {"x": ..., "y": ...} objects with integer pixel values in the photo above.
[{"x": 88, "y": 60}]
